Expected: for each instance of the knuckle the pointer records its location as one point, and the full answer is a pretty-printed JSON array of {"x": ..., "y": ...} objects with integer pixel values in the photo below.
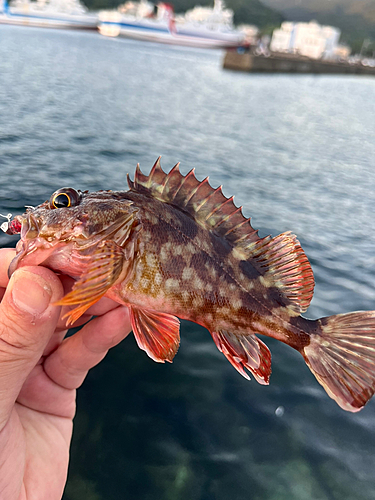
[{"x": 13, "y": 336}]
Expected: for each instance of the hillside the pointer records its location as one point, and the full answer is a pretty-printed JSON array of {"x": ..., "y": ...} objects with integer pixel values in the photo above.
[{"x": 362, "y": 7}]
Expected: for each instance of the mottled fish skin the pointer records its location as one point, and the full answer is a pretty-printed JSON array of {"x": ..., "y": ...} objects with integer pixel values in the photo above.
[
  {"x": 185, "y": 270},
  {"x": 174, "y": 246}
]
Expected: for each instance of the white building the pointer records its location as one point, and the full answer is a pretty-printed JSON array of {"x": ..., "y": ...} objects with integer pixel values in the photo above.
[{"x": 307, "y": 39}]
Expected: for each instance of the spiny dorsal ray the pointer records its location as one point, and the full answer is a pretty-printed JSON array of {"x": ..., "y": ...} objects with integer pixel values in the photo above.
[{"x": 208, "y": 206}]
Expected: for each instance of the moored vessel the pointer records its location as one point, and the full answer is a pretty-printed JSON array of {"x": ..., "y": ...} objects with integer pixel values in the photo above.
[
  {"x": 65, "y": 14},
  {"x": 201, "y": 27}
]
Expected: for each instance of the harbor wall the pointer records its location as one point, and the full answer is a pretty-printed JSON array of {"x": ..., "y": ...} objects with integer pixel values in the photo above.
[{"x": 287, "y": 63}]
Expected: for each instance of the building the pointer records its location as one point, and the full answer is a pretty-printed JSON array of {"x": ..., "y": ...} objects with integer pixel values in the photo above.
[{"x": 307, "y": 39}]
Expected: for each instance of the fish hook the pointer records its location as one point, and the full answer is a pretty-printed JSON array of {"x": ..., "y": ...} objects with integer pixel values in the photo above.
[{"x": 5, "y": 225}]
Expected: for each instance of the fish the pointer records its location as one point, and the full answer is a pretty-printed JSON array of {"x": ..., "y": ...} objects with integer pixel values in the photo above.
[{"x": 174, "y": 247}]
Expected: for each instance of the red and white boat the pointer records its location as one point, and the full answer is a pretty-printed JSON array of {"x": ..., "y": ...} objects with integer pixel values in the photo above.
[{"x": 201, "y": 27}]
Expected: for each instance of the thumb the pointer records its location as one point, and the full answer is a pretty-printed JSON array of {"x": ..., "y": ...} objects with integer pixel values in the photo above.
[{"x": 27, "y": 322}]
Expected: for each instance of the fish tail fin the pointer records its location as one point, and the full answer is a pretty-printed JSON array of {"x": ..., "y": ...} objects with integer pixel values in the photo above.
[{"x": 341, "y": 355}]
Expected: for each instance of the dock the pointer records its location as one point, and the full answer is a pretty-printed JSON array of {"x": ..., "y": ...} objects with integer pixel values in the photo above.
[{"x": 290, "y": 63}]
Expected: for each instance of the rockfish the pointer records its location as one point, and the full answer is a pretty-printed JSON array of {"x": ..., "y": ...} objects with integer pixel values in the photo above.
[{"x": 173, "y": 246}]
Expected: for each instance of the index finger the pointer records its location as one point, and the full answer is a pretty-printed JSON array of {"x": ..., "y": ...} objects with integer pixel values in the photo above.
[{"x": 6, "y": 257}]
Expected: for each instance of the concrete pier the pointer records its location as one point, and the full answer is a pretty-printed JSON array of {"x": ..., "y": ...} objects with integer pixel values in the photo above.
[{"x": 288, "y": 63}]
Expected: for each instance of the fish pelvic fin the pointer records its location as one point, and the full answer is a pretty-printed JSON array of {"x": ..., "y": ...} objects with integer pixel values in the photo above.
[
  {"x": 245, "y": 351},
  {"x": 341, "y": 355},
  {"x": 156, "y": 333}
]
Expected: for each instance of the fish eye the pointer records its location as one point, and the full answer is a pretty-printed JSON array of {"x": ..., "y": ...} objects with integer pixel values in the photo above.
[{"x": 65, "y": 198}]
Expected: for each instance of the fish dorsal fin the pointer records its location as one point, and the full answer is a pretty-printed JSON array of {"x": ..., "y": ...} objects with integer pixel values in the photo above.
[
  {"x": 208, "y": 206},
  {"x": 281, "y": 259}
]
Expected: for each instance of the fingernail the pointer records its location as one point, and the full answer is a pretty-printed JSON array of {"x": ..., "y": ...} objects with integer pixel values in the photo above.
[{"x": 30, "y": 292}]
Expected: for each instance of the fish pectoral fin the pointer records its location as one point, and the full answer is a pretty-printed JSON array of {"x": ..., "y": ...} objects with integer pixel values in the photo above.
[
  {"x": 103, "y": 269},
  {"x": 245, "y": 351},
  {"x": 156, "y": 333}
]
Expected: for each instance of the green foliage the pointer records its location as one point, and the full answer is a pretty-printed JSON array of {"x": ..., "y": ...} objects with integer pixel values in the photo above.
[
  {"x": 101, "y": 4},
  {"x": 254, "y": 12}
]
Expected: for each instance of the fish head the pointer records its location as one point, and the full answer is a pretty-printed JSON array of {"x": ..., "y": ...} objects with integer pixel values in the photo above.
[{"x": 64, "y": 230}]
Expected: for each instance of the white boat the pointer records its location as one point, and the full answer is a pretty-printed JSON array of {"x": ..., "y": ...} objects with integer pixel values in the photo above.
[
  {"x": 68, "y": 14},
  {"x": 206, "y": 28}
]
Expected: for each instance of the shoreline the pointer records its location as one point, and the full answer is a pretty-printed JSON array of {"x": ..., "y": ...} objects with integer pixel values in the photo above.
[{"x": 290, "y": 63}]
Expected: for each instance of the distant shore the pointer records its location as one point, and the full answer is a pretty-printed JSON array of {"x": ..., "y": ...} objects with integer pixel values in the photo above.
[{"x": 290, "y": 63}]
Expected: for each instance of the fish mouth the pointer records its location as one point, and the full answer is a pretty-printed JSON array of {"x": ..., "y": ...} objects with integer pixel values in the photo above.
[
  {"x": 31, "y": 253},
  {"x": 46, "y": 246},
  {"x": 31, "y": 249}
]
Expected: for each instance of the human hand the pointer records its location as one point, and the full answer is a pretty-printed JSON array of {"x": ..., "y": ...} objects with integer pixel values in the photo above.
[{"x": 39, "y": 374}]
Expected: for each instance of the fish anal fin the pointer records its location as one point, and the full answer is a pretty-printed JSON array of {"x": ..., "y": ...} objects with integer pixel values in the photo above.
[
  {"x": 341, "y": 355},
  {"x": 208, "y": 206},
  {"x": 156, "y": 333},
  {"x": 104, "y": 267},
  {"x": 245, "y": 351},
  {"x": 284, "y": 263}
]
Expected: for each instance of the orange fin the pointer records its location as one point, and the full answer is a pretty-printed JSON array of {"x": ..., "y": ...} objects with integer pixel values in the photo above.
[
  {"x": 283, "y": 260},
  {"x": 103, "y": 269},
  {"x": 245, "y": 351},
  {"x": 208, "y": 206},
  {"x": 341, "y": 355},
  {"x": 156, "y": 333}
]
